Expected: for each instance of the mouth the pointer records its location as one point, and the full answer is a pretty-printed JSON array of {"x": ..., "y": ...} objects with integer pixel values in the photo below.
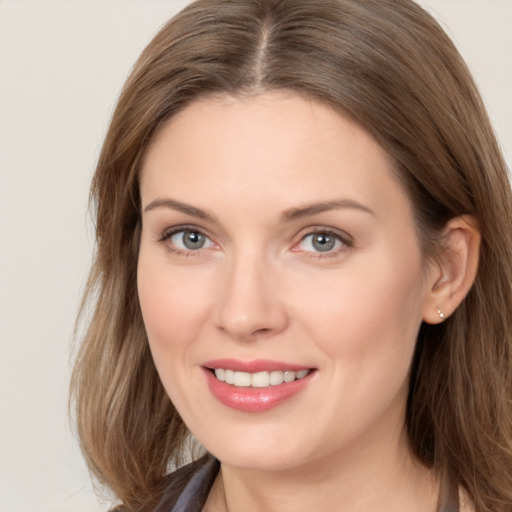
[
  {"x": 256, "y": 386},
  {"x": 262, "y": 379}
]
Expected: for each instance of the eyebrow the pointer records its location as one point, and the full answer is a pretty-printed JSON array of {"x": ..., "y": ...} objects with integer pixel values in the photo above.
[
  {"x": 315, "y": 208},
  {"x": 180, "y": 207},
  {"x": 288, "y": 215}
]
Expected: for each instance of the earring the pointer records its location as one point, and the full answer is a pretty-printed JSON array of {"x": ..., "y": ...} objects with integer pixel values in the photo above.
[{"x": 440, "y": 313}]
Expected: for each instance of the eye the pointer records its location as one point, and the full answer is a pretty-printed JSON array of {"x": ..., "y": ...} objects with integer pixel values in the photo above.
[
  {"x": 322, "y": 242},
  {"x": 187, "y": 240}
]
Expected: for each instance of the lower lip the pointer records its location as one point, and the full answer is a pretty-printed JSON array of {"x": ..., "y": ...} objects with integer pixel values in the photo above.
[{"x": 249, "y": 399}]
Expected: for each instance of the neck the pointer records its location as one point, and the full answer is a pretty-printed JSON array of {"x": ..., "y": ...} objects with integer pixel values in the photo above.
[{"x": 380, "y": 477}]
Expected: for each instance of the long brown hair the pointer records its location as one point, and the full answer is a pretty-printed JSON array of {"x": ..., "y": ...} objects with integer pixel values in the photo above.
[{"x": 390, "y": 66}]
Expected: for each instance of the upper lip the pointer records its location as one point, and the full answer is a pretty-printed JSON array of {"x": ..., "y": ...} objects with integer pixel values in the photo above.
[{"x": 256, "y": 365}]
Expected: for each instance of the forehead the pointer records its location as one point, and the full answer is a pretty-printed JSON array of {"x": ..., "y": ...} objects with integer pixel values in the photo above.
[{"x": 275, "y": 145}]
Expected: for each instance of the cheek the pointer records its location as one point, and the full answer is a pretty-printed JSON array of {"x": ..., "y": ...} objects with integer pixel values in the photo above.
[
  {"x": 368, "y": 311},
  {"x": 173, "y": 307}
]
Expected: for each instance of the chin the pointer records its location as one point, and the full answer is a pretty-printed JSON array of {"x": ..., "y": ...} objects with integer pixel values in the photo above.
[
  {"x": 259, "y": 460},
  {"x": 258, "y": 454}
]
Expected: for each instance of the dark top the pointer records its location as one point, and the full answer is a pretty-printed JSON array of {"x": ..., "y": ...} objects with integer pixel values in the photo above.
[{"x": 190, "y": 494}]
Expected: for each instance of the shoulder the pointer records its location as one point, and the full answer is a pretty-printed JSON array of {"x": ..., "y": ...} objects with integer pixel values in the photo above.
[{"x": 189, "y": 484}]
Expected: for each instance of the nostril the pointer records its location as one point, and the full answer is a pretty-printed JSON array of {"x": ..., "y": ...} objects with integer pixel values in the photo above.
[
  {"x": 245, "y": 332},
  {"x": 265, "y": 330}
]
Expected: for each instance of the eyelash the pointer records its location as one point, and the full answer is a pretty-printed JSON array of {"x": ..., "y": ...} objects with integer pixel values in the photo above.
[
  {"x": 169, "y": 233},
  {"x": 343, "y": 238}
]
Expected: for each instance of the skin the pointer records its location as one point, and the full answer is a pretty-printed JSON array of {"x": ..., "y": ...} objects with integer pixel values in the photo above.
[{"x": 259, "y": 289}]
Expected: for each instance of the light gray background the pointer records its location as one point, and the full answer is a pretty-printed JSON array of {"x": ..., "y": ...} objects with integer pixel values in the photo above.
[{"x": 62, "y": 65}]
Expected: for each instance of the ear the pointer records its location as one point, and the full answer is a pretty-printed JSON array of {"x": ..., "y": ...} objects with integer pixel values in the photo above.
[{"x": 452, "y": 275}]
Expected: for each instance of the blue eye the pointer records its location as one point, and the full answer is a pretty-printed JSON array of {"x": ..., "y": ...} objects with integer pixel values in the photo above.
[
  {"x": 320, "y": 242},
  {"x": 189, "y": 240}
]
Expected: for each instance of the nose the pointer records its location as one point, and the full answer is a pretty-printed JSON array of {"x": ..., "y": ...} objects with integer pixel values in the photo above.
[{"x": 250, "y": 305}]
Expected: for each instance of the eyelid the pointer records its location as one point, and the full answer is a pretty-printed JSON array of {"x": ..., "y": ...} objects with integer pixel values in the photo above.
[
  {"x": 169, "y": 232},
  {"x": 346, "y": 240}
]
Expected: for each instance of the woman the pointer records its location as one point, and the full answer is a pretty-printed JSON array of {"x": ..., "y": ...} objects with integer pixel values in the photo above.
[{"x": 304, "y": 260}]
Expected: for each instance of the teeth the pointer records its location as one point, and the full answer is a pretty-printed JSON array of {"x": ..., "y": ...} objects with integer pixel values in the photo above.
[
  {"x": 301, "y": 374},
  {"x": 276, "y": 378},
  {"x": 230, "y": 376},
  {"x": 220, "y": 373},
  {"x": 242, "y": 379},
  {"x": 289, "y": 376},
  {"x": 259, "y": 379}
]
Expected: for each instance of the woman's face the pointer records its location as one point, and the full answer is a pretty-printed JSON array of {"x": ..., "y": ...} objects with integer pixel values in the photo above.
[{"x": 279, "y": 251}]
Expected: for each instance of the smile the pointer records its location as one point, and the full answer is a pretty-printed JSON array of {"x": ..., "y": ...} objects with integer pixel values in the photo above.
[
  {"x": 262, "y": 379},
  {"x": 256, "y": 386}
]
